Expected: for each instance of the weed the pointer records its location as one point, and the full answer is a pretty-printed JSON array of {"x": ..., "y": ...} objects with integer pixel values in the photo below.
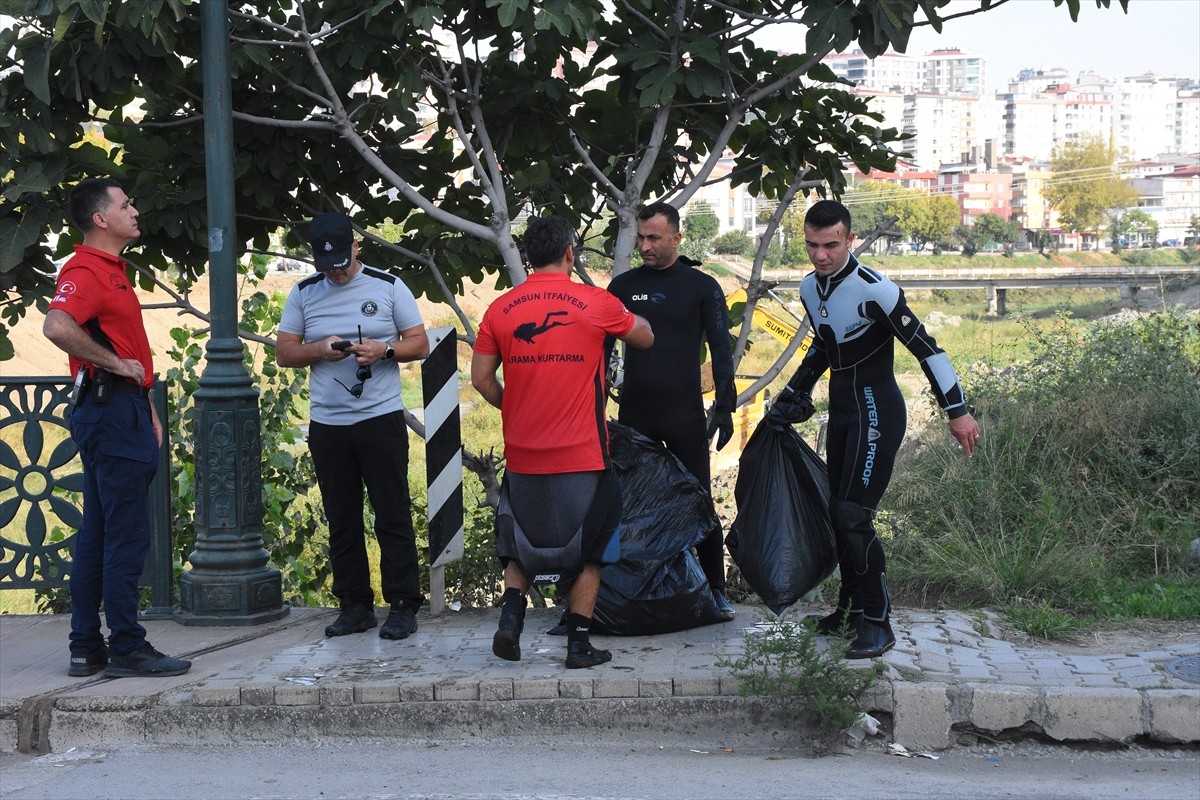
[{"x": 807, "y": 674}]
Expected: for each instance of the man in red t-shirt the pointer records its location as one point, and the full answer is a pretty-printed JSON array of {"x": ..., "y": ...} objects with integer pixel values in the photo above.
[
  {"x": 96, "y": 318},
  {"x": 560, "y": 506}
]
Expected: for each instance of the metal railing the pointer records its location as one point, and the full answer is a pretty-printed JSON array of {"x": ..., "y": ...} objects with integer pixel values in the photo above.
[{"x": 41, "y": 492}]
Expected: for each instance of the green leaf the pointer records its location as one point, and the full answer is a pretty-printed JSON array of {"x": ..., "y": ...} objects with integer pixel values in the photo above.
[
  {"x": 19, "y": 233},
  {"x": 36, "y": 69},
  {"x": 508, "y": 10}
]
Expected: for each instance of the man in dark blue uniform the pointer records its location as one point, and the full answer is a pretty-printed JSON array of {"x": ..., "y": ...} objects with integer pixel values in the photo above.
[
  {"x": 660, "y": 393},
  {"x": 96, "y": 318},
  {"x": 857, "y": 315}
]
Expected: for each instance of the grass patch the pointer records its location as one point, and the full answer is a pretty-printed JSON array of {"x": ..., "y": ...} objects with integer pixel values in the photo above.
[{"x": 1082, "y": 497}]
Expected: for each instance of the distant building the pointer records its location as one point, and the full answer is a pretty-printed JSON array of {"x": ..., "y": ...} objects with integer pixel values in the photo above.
[
  {"x": 1170, "y": 200},
  {"x": 977, "y": 193},
  {"x": 1148, "y": 108}
]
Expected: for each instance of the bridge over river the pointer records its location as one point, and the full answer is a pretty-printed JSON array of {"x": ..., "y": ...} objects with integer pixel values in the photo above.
[{"x": 995, "y": 281}]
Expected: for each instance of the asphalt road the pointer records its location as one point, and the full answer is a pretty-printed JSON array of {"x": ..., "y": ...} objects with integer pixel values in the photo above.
[{"x": 376, "y": 769}]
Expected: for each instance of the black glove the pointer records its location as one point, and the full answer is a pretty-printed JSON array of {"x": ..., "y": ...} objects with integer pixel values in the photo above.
[
  {"x": 790, "y": 408},
  {"x": 722, "y": 426}
]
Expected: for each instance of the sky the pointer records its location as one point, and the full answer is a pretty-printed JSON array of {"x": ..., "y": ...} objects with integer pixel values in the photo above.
[{"x": 1159, "y": 36}]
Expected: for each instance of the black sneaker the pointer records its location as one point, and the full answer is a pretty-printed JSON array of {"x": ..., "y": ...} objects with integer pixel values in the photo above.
[
  {"x": 145, "y": 662},
  {"x": 581, "y": 655},
  {"x": 831, "y": 624},
  {"x": 506, "y": 643},
  {"x": 873, "y": 640},
  {"x": 400, "y": 623},
  {"x": 87, "y": 662},
  {"x": 353, "y": 619},
  {"x": 725, "y": 610}
]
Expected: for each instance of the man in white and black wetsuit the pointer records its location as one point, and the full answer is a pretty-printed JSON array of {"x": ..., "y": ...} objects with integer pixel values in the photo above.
[
  {"x": 660, "y": 394},
  {"x": 857, "y": 314}
]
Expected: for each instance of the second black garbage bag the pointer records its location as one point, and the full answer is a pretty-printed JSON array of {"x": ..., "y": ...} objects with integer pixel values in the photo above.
[
  {"x": 782, "y": 539},
  {"x": 657, "y": 586}
]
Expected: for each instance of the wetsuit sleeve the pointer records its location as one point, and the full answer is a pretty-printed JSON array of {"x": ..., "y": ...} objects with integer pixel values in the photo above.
[
  {"x": 720, "y": 350},
  {"x": 910, "y": 331}
]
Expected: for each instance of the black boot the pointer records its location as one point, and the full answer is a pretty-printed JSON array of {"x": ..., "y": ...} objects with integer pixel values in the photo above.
[
  {"x": 834, "y": 623},
  {"x": 856, "y": 533},
  {"x": 354, "y": 618},
  {"x": 873, "y": 640},
  {"x": 506, "y": 643},
  {"x": 580, "y": 653}
]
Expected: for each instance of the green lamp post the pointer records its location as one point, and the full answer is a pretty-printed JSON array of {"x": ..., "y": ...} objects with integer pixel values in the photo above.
[{"x": 229, "y": 582}]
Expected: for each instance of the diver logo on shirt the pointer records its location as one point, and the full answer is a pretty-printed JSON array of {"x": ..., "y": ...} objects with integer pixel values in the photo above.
[
  {"x": 528, "y": 331},
  {"x": 906, "y": 320},
  {"x": 370, "y": 308}
]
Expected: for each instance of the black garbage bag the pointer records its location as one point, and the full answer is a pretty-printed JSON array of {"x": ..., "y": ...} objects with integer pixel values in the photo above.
[
  {"x": 782, "y": 540},
  {"x": 657, "y": 586}
]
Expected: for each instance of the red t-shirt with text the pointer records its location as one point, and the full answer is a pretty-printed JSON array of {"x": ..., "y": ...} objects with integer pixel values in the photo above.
[{"x": 549, "y": 333}]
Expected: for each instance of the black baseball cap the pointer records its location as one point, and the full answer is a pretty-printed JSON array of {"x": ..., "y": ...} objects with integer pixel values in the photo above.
[{"x": 331, "y": 236}]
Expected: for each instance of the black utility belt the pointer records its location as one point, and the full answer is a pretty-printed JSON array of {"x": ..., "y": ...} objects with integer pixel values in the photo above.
[
  {"x": 102, "y": 384},
  {"x": 129, "y": 388}
]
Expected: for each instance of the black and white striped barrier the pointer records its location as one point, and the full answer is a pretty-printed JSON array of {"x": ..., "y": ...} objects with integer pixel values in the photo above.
[{"x": 443, "y": 460}]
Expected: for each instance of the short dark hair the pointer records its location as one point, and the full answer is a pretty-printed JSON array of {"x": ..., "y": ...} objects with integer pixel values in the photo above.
[
  {"x": 666, "y": 209},
  {"x": 89, "y": 196},
  {"x": 546, "y": 240},
  {"x": 826, "y": 214}
]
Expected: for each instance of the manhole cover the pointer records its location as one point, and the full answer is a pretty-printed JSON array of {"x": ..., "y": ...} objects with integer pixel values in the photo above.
[{"x": 1187, "y": 668}]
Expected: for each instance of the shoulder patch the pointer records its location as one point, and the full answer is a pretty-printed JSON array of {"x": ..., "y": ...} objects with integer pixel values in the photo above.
[
  {"x": 378, "y": 274},
  {"x": 869, "y": 275}
]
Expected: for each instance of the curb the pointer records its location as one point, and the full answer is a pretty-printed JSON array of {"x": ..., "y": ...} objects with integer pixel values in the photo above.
[{"x": 923, "y": 716}]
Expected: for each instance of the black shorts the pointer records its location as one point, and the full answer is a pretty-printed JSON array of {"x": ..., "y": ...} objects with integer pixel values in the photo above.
[{"x": 552, "y": 525}]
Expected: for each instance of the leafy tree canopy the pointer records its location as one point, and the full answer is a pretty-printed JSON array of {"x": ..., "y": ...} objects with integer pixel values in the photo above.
[
  {"x": 448, "y": 118},
  {"x": 1085, "y": 186}
]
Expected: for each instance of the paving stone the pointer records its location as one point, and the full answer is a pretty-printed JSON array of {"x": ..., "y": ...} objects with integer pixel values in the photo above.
[
  {"x": 536, "y": 689},
  {"x": 258, "y": 695},
  {"x": 697, "y": 687},
  {"x": 337, "y": 695},
  {"x": 921, "y": 716},
  {"x": 575, "y": 689},
  {"x": 297, "y": 695},
  {"x": 376, "y": 693},
  {"x": 1093, "y": 714},
  {"x": 1175, "y": 715},
  {"x": 615, "y": 687},
  {"x": 416, "y": 692},
  {"x": 217, "y": 696},
  {"x": 999, "y": 708},
  {"x": 465, "y": 690},
  {"x": 660, "y": 687},
  {"x": 496, "y": 690}
]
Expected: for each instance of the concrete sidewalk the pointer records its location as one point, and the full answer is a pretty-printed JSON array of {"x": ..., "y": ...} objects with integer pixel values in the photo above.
[{"x": 285, "y": 680}]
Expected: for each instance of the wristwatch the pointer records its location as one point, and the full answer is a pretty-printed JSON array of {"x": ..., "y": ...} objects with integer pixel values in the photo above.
[{"x": 390, "y": 353}]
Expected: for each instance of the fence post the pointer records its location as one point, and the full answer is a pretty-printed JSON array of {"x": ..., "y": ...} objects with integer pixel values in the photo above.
[{"x": 443, "y": 460}]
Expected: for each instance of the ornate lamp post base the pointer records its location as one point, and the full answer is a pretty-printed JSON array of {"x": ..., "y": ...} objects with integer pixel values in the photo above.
[{"x": 230, "y": 598}]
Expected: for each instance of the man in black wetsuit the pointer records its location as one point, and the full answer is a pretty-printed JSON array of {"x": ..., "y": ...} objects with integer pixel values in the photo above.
[
  {"x": 857, "y": 314},
  {"x": 660, "y": 392}
]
